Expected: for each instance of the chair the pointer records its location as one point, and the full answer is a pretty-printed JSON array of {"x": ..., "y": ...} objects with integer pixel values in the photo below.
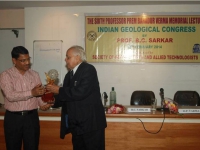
[
  {"x": 187, "y": 98},
  {"x": 142, "y": 97}
]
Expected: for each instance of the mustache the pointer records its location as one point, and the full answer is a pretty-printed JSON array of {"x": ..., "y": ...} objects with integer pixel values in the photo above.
[{"x": 28, "y": 65}]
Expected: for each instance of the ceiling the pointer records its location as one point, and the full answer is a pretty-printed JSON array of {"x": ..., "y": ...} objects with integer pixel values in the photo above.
[{"x": 22, "y": 4}]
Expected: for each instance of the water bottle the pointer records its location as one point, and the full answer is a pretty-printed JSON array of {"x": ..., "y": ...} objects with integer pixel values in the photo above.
[{"x": 112, "y": 97}]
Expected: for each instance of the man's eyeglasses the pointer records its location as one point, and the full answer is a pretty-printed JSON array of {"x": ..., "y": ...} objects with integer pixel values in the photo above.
[{"x": 24, "y": 60}]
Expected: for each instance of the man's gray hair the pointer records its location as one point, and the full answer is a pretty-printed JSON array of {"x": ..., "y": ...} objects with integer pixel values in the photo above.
[{"x": 78, "y": 50}]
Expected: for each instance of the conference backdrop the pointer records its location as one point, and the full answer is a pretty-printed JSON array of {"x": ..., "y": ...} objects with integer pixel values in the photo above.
[{"x": 142, "y": 38}]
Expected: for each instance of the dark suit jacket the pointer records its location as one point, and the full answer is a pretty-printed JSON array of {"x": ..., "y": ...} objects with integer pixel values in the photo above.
[{"x": 80, "y": 98}]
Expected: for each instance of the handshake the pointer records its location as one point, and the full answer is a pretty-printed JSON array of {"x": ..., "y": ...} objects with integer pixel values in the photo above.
[
  {"x": 48, "y": 97},
  {"x": 40, "y": 90}
]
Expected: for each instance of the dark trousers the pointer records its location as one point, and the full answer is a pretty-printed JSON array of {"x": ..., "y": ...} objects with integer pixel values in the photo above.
[
  {"x": 20, "y": 129},
  {"x": 89, "y": 141}
]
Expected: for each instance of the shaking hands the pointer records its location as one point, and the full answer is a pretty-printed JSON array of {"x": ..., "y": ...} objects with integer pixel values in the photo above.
[
  {"x": 53, "y": 88},
  {"x": 38, "y": 90}
]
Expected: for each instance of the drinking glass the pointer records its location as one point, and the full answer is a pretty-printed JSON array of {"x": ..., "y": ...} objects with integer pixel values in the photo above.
[{"x": 153, "y": 104}]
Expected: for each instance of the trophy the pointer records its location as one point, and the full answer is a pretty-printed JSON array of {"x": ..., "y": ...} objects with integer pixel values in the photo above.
[{"x": 51, "y": 78}]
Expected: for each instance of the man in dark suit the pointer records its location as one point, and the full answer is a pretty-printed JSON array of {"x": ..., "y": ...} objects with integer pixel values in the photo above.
[{"x": 82, "y": 110}]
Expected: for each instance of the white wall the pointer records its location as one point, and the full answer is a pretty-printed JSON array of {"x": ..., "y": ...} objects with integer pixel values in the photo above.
[
  {"x": 8, "y": 40},
  {"x": 60, "y": 24}
]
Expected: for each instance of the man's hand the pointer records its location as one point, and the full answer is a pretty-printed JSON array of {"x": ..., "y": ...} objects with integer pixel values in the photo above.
[
  {"x": 46, "y": 107},
  {"x": 53, "y": 88},
  {"x": 38, "y": 90},
  {"x": 51, "y": 101}
]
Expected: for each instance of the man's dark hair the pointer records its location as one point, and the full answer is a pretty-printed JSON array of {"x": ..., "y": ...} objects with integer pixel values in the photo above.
[{"x": 16, "y": 51}]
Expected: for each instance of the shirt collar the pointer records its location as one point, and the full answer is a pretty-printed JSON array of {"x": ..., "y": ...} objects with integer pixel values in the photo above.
[
  {"x": 17, "y": 71},
  {"x": 75, "y": 68}
]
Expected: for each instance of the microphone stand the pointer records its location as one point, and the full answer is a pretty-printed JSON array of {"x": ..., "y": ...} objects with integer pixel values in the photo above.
[
  {"x": 105, "y": 96},
  {"x": 162, "y": 99},
  {"x": 162, "y": 96}
]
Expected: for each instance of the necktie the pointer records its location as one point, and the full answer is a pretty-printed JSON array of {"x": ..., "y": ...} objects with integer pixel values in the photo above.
[
  {"x": 66, "y": 115},
  {"x": 71, "y": 74}
]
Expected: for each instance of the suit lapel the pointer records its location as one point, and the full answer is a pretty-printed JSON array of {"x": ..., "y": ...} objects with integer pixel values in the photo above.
[
  {"x": 67, "y": 80},
  {"x": 79, "y": 69},
  {"x": 75, "y": 78}
]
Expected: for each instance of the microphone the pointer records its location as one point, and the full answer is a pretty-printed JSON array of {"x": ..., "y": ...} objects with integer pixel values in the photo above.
[
  {"x": 162, "y": 98},
  {"x": 105, "y": 95},
  {"x": 162, "y": 93}
]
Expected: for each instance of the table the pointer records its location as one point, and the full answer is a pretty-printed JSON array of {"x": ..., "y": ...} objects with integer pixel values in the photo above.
[{"x": 125, "y": 131}]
